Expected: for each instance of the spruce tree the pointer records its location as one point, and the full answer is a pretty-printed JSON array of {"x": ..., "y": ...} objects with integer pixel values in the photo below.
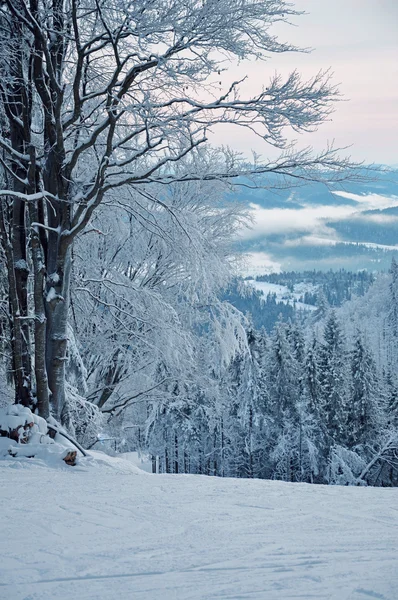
[
  {"x": 284, "y": 389},
  {"x": 392, "y": 314},
  {"x": 392, "y": 399},
  {"x": 391, "y": 322},
  {"x": 333, "y": 380},
  {"x": 363, "y": 411},
  {"x": 311, "y": 376}
]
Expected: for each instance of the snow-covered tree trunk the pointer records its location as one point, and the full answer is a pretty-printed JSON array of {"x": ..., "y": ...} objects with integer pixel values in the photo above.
[
  {"x": 16, "y": 121},
  {"x": 40, "y": 332},
  {"x": 57, "y": 303},
  {"x": 21, "y": 377}
]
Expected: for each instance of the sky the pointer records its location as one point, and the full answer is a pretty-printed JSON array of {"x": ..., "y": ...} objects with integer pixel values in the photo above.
[{"x": 358, "y": 41}]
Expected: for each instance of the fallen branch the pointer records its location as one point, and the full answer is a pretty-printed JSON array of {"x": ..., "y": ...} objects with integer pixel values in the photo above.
[
  {"x": 390, "y": 445},
  {"x": 70, "y": 439}
]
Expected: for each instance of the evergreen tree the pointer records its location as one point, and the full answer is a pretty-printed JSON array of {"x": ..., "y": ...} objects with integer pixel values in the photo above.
[
  {"x": 284, "y": 375},
  {"x": 322, "y": 306},
  {"x": 391, "y": 321},
  {"x": 247, "y": 401},
  {"x": 333, "y": 379},
  {"x": 295, "y": 336},
  {"x": 392, "y": 314},
  {"x": 363, "y": 411},
  {"x": 311, "y": 376},
  {"x": 392, "y": 399}
]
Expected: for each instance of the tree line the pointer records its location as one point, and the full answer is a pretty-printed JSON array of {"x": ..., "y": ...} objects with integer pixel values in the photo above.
[{"x": 313, "y": 403}]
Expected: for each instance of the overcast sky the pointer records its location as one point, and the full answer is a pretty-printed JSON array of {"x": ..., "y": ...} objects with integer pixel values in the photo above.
[{"x": 358, "y": 40}]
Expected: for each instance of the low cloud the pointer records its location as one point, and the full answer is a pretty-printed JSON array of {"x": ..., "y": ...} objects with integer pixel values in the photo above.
[
  {"x": 279, "y": 221},
  {"x": 310, "y": 240},
  {"x": 259, "y": 263},
  {"x": 370, "y": 201},
  {"x": 312, "y": 223}
]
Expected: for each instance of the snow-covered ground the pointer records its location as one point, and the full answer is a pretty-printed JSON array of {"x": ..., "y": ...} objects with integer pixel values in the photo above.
[
  {"x": 283, "y": 294},
  {"x": 105, "y": 530}
]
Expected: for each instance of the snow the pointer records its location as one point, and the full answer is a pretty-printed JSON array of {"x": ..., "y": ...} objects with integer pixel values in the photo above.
[
  {"x": 54, "y": 277},
  {"x": 52, "y": 294},
  {"x": 283, "y": 294},
  {"x": 106, "y": 530},
  {"x": 31, "y": 431},
  {"x": 17, "y": 416},
  {"x": 141, "y": 461},
  {"x": 21, "y": 265}
]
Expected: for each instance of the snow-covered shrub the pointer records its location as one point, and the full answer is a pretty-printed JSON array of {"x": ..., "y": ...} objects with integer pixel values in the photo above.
[
  {"x": 85, "y": 418},
  {"x": 345, "y": 466}
]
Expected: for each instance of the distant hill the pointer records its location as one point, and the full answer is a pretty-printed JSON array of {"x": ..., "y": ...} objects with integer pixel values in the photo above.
[{"x": 338, "y": 228}]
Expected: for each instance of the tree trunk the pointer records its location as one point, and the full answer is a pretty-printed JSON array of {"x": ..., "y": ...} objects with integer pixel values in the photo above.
[
  {"x": 186, "y": 463},
  {"x": 57, "y": 308},
  {"x": 176, "y": 461},
  {"x": 21, "y": 391},
  {"x": 154, "y": 461},
  {"x": 40, "y": 332},
  {"x": 17, "y": 107}
]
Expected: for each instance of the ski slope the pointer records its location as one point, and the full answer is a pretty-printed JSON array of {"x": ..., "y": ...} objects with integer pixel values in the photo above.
[{"x": 105, "y": 530}]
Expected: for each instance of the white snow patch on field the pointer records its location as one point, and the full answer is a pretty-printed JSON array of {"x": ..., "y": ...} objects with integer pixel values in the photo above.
[
  {"x": 105, "y": 530},
  {"x": 283, "y": 294}
]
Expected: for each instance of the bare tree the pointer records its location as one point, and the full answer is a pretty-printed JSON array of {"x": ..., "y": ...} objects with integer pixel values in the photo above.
[{"x": 97, "y": 95}]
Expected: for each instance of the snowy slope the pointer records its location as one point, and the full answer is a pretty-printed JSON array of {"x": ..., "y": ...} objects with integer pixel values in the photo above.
[
  {"x": 106, "y": 530},
  {"x": 283, "y": 294}
]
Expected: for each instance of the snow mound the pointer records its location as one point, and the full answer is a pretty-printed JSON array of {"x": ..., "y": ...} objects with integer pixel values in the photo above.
[
  {"x": 14, "y": 455},
  {"x": 99, "y": 460},
  {"x": 20, "y": 419},
  {"x": 24, "y": 438},
  {"x": 142, "y": 461},
  {"x": 25, "y": 435}
]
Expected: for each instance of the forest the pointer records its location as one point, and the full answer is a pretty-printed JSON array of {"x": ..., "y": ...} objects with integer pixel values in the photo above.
[
  {"x": 316, "y": 400},
  {"x": 122, "y": 305},
  {"x": 198, "y": 300}
]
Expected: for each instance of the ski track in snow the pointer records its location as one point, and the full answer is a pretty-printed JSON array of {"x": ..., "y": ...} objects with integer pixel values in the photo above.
[{"x": 105, "y": 530}]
